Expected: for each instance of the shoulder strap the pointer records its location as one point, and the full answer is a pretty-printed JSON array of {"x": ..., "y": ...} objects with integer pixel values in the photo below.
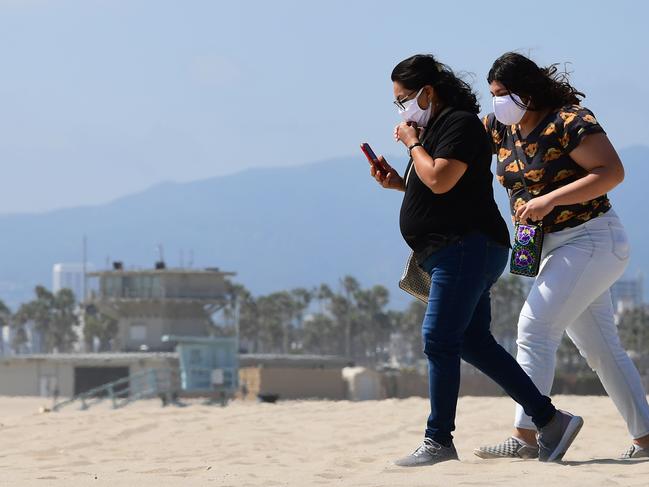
[
  {"x": 516, "y": 134},
  {"x": 517, "y": 137},
  {"x": 428, "y": 132}
]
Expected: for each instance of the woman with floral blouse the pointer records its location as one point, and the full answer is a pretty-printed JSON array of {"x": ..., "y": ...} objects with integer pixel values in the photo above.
[{"x": 542, "y": 133}]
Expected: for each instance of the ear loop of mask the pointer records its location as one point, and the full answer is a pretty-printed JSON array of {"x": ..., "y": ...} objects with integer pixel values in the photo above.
[{"x": 521, "y": 104}]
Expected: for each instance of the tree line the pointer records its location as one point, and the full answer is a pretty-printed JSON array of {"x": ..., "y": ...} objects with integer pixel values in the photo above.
[
  {"x": 346, "y": 320},
  {"x": 54, "y": 320}
]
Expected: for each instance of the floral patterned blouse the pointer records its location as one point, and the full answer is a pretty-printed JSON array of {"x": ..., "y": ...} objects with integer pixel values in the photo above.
[{"x": 544, "y": 158}]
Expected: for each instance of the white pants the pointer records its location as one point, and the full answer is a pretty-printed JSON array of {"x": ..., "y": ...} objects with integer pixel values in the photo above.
[{"x": 571, "y": 293}]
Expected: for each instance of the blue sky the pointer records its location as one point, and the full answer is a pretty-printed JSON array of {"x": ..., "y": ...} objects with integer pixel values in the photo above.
[{"x": 103, "y": 98}]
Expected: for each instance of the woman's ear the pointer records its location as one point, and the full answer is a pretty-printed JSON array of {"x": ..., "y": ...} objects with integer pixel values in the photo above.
[
  {"x": 434, "y": 98},
  {"x": 431, "y": 94}
]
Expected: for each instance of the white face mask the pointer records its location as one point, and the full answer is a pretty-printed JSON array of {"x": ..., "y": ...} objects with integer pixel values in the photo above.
[
  {"x": 507, "y": 111},
  {"x": 413, "y": 113}
]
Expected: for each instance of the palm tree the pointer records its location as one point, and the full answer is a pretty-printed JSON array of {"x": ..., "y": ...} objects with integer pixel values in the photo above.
[
  {"x": 373, "y": 327},
  {"x": 346, "y": 308},
  {"x": 53, "y": 316},
  {"x": 100, "y": 326},
  {"x": 65, "y": 319},
  {"x": 249, "y": 324},
  {"x": 321, "y": 335},
  {"x": 507, "y": 297},
  {"x": 5, "y": 317},
  {"x": 634, "y": 329},
  {"x": 410, "y": 328},
  {"x": 302, "y": 298},
  {"x": 273, "y": 329}
]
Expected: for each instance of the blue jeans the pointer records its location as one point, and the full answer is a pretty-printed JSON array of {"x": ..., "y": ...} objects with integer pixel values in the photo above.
[{"x": 456, "y": 325}]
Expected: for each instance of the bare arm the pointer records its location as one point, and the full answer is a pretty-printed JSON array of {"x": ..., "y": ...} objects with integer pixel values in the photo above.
[
  {"x": 596, "y": 155},
  {"x": 440, "y": 175}
]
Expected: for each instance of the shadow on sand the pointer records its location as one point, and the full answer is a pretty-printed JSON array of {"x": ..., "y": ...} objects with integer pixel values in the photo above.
[{"x": 606, "y": 461}]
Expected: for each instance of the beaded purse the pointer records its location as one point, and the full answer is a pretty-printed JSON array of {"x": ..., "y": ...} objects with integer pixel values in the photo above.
[{"x": 526, "y": 250}]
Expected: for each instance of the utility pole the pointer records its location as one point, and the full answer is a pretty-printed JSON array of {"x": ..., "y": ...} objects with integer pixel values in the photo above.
[{"x": 84, "y": 285}]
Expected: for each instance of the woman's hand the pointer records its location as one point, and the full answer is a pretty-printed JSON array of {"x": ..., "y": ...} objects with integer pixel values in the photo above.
[
  {"x": 407, "y": 133},
  {"x": 386, "y": 176},
  {"x": 535, "y": 209}
]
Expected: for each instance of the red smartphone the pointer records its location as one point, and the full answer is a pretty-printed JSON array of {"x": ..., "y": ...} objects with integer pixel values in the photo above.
[{"x": 371, "y": 156}]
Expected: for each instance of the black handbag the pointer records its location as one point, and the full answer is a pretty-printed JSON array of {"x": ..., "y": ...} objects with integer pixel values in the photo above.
[{"x": 527, "y": 247}]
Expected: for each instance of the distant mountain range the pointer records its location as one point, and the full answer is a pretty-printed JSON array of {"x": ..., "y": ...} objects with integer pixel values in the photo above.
[{"x": 277, "y": 228}]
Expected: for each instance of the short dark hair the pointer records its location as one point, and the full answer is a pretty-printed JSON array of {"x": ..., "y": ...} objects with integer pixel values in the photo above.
[
  {"x": 423, "y": 69},
  {"x": 545, "y": 87}
]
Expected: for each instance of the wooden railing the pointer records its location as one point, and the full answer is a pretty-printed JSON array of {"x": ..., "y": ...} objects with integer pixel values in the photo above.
[{"x": 148, "y": 383}]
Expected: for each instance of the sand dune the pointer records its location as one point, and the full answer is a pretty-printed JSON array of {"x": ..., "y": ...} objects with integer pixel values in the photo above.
[{"x": 295, "y": 443}]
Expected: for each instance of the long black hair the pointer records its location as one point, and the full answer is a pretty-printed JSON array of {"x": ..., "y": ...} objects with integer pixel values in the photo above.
[
  {"x": 423, "y": 69},
  {"x": 544, "y": 87}
]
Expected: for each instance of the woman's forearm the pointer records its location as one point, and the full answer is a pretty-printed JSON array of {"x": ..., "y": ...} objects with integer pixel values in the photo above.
[
  {"x": 424, "y": 165},
  {"x": 596, "y": 183},
  {"x": 440, "y": 175}
]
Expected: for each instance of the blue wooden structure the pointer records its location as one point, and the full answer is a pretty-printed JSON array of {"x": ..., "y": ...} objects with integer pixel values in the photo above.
[{"x": 208, "y": 365}]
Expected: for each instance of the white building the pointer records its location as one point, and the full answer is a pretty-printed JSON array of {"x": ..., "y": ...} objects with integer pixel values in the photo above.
[
  {"x": 70, "y": 276},
  {"x": 627, "y": 294}
]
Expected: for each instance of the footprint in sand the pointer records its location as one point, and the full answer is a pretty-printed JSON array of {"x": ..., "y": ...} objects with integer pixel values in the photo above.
[
  {"x": 127, "y": 433},
  {"x": 330, "y": 476},
  {"x": 156, "y": 470}
]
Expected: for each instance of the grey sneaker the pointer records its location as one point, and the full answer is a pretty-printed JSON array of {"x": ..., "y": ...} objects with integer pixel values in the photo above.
[
  {"x": 510, "y": 448},
  {"x": 429, "y": 453},
  {"x": 635, "y": 451},
  {"x": 556, "y": 437}
]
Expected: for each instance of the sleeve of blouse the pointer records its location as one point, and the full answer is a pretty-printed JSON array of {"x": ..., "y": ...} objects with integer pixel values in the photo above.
[
  {"x": 578, "y": 122},
  {"x": 489, "y": 126},
  {"x": 460, "y": 139}
]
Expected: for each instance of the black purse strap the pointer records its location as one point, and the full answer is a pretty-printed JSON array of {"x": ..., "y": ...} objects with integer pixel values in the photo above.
[{"x": 521, "y": 170}]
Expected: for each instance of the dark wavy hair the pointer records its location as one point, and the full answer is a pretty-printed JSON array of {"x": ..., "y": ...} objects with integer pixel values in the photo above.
[
  {"x": 423, "y": 69},
  {"x": 544, "y": 87}
]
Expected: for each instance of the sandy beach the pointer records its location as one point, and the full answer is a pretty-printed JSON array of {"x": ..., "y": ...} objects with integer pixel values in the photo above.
[{"x": 293, "y": 443}]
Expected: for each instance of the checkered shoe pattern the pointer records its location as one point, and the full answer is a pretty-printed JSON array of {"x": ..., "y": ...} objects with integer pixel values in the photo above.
[
  {"x": 510, "y": 448},
  {"x": 635, "y": 451}
]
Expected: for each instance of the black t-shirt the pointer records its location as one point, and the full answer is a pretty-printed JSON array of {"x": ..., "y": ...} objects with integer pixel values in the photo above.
[{"x": 469, "y": 206}]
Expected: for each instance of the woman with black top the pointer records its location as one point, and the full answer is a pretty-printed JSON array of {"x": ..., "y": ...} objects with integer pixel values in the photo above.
[{"x": 450, "y": 220}]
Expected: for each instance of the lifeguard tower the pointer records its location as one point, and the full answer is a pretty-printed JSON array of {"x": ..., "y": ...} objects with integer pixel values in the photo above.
[
  {"x": 151, "y": 303},
  {"x": 208, "y": 365}
]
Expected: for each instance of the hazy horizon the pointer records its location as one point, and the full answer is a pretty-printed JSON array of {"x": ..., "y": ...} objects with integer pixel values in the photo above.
[{"x": 104, "y": 99}]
